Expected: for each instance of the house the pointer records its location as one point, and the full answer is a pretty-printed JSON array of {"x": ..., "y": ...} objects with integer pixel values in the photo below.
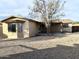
[
  {"x": 19, "y": 27},
  {"x": 63, "y": 25},
  {"x": 67, "y": 25},
  {"x": 58, "y": 26}
]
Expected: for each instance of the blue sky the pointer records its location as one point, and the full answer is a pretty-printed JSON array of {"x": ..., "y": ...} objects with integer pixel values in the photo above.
[
  {"x": 72, "y": 9},
  {"x": 20, "y": 7},
  {"x": 14, "y": 7}
]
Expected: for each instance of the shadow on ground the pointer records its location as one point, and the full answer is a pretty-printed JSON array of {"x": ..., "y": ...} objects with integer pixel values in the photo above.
[
  {"x": 53, "y": 36},
  {"x": 59, "y": 52}
]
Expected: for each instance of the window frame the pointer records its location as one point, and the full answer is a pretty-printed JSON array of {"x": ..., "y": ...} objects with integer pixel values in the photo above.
[
  {"x": 12, "y": 27},
  {"x": 65, "y": 25}
]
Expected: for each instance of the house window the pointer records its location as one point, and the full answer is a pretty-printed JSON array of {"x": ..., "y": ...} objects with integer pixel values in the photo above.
[
  {"x": 65, "y": 25},
  {"x": 12, "y": 27}
]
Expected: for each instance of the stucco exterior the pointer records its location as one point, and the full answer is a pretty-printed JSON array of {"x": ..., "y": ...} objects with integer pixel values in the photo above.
[
  {"x": 33, "y": 28},
  {"x": 29, "y": 28},
  {"x": 26, "y": 29},
  {"x": 6, "y": 33}
]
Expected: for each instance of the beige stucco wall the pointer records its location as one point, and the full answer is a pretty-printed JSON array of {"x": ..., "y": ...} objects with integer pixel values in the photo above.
[
  {"x": 30, "y": 28},
  {"x": 15, "y": 35},
  {"x": 26, "y": 29},
  {"x": 7, "y": 34},
  {"x": 33, "y": 28}
]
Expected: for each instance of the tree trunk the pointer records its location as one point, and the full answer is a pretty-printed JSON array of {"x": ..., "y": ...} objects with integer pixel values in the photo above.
[
  {"x": 47, "y": 28},
  {"x": 47, "y": 24}
]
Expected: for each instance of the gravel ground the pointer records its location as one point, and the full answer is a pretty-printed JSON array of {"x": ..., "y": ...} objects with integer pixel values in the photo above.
[{"x": 58, "y": 46}]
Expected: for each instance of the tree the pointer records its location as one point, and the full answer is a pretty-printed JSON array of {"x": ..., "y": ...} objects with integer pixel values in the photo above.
[{"x": 47, "y": 10}]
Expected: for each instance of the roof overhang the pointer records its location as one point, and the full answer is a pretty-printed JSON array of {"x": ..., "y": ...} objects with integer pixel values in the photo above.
[{"x": 8, "y": 20}]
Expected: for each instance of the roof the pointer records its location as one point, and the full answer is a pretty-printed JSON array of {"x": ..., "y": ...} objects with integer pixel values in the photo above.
[
  {"x": 75, "y": 24},
  {"x": 67, "y": 21},
  {"x": 54, "y": 21},
  {"x": 62, "y": 21},
  {"x": 11, "y": 17}
]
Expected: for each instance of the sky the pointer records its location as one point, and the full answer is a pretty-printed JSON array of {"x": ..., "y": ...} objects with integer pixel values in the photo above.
[{"x": 20, "y": 7}]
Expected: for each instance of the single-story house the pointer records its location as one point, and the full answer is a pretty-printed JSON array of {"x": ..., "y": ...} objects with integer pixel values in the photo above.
[
  {"x": 63, "y": 25},
  {"x": 67, "y": 25},
  {"x": 19, "y": 27}
]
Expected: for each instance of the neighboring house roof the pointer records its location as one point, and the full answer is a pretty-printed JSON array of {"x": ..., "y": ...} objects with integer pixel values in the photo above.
[
  {"x": 62, "y": 21},
  {"x": 11, "y": 17},
  {"x": 67, "y": 21},
  {"x": 75, "y": 24}
]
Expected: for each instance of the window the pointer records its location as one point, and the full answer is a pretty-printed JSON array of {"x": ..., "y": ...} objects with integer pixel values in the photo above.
[
  {"x": 12, "y": 27},
  {"x": 65, "y": 25}
]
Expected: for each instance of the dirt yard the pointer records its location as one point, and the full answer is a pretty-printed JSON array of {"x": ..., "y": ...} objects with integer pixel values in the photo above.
[{"x": 58, "y": 46}]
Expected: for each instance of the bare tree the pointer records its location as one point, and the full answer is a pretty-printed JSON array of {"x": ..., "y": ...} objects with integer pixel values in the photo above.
[{"x": 47, "y": 11}]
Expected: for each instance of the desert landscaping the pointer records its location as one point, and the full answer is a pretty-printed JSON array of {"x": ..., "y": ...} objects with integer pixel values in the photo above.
[{"x": 57, "y": 46}]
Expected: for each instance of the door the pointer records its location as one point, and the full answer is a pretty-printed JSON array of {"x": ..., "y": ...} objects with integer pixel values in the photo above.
[{"x": 20, "y": 30}]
